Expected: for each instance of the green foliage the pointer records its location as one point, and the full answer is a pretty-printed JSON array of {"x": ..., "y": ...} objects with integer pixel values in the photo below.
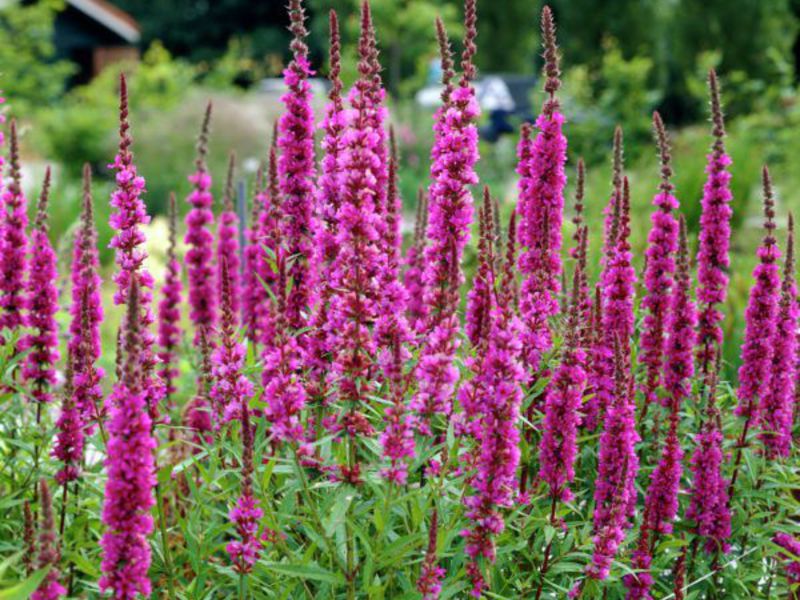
[{"x": 28, "y": 71}]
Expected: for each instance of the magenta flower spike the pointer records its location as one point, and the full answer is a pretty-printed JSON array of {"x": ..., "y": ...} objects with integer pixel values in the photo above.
[
  {"x": 662, "y": 245},
  {"x": 69, "y": 441},
  {"x": 611, "y": 211},
  {"x": 715, "y": 233},
  {"x": 559, "y": 443},
  {"x": 454, "y": 155},
  {"x": 431, "y": 574},
  {"x": 600, "y": 367},
  {"x": 129, "y": 215},
  {"x": 360, "y": 262},
  {"x": 296, "y": 170},
  {"x": 200, "y": 241},
  {"x": 495, "y": 483},
  {"x": 199, "y": 415},
  {"x": 479, "y": 298},
  {"x": 230, "y": 387},
  {"x": 130, "y": 467},
  {"x": 392, "y": 331},
  {"x": 708, "y": 506},
  {"x": 619, "y": 277},
  {"x": 42, "y": 304},
  {"x": 228, "y": 243},
  {"x": 541, "y": 208},
  {"x": 14, "y": 241},
  {"x": 618, "y": 464},
  {"x": 245, "y": 515},
  {"x": 760, "y": 318},
  {"x": 253, "y": 256},
  {"x": 681, "y": 324},
  {"x": 86, "y": 312},
  {"x": 777, "y": 404},
  {"x": 169, "y": 309},
  {"x": 49, "y": 552}
]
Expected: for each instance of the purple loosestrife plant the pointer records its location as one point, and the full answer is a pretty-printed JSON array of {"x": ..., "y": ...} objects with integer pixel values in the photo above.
[
  {"x": 681, "y": 326},
  {"x": 253, "y": 293},
  {"x": 708, "y": 505},
  {"x": 662, "y": 244},
  {"x": 541, "y": 207},
  {"x": 391, "y": 326},
  {"x": 245, "y": 515},
  {"x": 14, "y": 243},
  {"x": 431, "y": 574},
  {"x": 130, "y": 467},
  {"x": 129, "y": 215},
  {"x": 296, "y": 170},
  {"x": 86, "y": 311},
  {"x": 200, "y": 240},
  {"x": 494, "y": 484},
  {"x": 714, "y": 240},
  {"x": 454, "y": 155},
  {"x": 777, "y": 404},
  {"x": 559, "y": 443},
  {"x": 230, "y": 388},
  {"x": 618, "y": 464},
  {"x": 42, "y": 303},
  {"x": 169, "y": 309},
  {"x": 69, "y": 441},
  {"x": 228, "y": 243},
  {"x": 760, "y": 319},
  {"x": 360, "y": 262},
  {"x": 49, "y": 553}
]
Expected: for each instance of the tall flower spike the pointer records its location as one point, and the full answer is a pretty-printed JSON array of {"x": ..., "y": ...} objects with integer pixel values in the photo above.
[
  {"x": 361, "y": 260},
  {"x": 541, "y": 207},
  {"x": 715, "y": 233},
  {"x": 14, "y": 241},
  {"x": 454, "y": 154},
  {"x": 198, "y": 414},
  {"x": 479, "y": 301},
  {"x": 391, "y": 327},
  {"x": 681, "y": 327},
  {"x": 49, "y": 553},
  {"x": 777, "y": 404},
  {"x": 495, "y": 482},
  {"x": 245, "y": 550},
  {"x": 619, "y": 277},
  {"x": 760, "y": 317},
  {"x": 228, "y": 242},
  {"x": 86, "y": 311},
  {"x": 611, "y": 211},
  {"x": 429, "y": 583},
  {"x": 230, "y": 388},
  {"x": 169, "y": 309},
  {"x": 253, "y": 293},
  {"x": 129, "y": 216},
  {"x": 131, "y": 472},
  {"x": 708, "y": 506},
  {"x": 296, "y": 169},
  {"x": 662, "y": 244},
  {"x": 200, "y": 241},
  {"x": 618, "y": 464},
  {"x": 42, "y": 304},
  {"x": 559, "y": 444},
  {"x": 68, "y": 445}
]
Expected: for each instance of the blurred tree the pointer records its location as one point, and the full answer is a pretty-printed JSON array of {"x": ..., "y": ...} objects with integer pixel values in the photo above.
[{"x": 30, "y": 74}]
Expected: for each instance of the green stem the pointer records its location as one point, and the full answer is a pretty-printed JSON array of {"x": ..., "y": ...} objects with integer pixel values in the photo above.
[{"x": 162, "y": 524}]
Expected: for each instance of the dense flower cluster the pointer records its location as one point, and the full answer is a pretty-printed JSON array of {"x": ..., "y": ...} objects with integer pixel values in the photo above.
[
  {"x": 296, "y": 169},
  {"x": 14, "y": 243},
  {"x": 42, "y": 305},
  {"x": 131, "y": 472},
  {"x": 200, "y": 240},
  {"x": 715, "y": 233},
  {"x": 228, "y": 243}
]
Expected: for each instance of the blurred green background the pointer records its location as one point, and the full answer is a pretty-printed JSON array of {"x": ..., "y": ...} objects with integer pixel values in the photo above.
[{"x": 621, "y": 60}]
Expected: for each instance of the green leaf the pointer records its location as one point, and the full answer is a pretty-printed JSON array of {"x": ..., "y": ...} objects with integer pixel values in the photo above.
[
  {"x": 24, "y": 589},
  {"x": 314, "y": 572}
]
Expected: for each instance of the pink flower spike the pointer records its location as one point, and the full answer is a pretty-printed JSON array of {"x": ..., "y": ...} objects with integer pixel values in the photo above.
[
  {"x": 228, "y": 244},
  {"x": 169, "y": 309}
]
